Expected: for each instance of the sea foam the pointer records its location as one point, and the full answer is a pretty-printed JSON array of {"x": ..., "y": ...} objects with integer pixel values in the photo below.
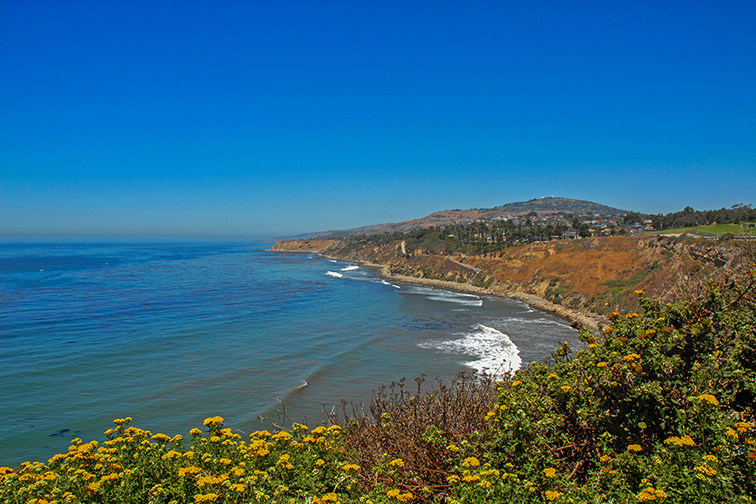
[
  {"x": 334, "y": 274},
  {"x": 350, "y": 268},
  {"x": 492, "y": 350},
  {"x": 446, "y": 296}
]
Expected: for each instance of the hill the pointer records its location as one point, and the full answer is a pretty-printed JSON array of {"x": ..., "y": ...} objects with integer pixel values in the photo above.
[{"x": 550, "y": 206}]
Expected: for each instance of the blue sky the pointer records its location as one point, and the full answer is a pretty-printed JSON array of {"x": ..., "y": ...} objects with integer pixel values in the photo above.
[{"x": 262, "y": 119}]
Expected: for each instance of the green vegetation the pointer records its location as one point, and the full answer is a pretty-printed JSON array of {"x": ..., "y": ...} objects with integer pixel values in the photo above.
[
  {"x": 714, "y": 230},
  {"x": 472, "y": 239},
  {"x": 688, "y": 217},
  {"x": 659, "y": 408}
]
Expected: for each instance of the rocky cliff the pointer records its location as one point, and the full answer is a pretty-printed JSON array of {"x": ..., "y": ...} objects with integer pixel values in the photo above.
[{"x": 594, "y": 274}]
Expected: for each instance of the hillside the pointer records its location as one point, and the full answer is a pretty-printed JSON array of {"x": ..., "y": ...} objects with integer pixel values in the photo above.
[
  {"x": 554, "y": 205},
  {"x": 542, "y": 206}
]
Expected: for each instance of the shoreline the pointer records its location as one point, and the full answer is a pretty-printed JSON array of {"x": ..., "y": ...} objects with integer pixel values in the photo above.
[{"x": 591, "y": 321}]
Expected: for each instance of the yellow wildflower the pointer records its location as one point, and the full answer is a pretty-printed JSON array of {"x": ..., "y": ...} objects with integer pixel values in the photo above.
[
  {"x": 471, "y": 462},
  {"x": 237, "y": 487},
  {"x": 709, "y": 399},
  {"x": 551, "y": 495},
  {"x": 710, "y": 458},
  {"x": 605, "y": 458},
  {"x": 318, "y": 430},
  {"x": 282, "y": 436},
  {"x": 320, "y": 462},
  {"x": 516, "y": 383},
  {"x": 706, "y": 471},
  {"x": 565, "y": 388},
  {"x": 452, "y": 479},
  {"x": 732, "y": 433},
  {"x": 452, "y": 448},
  {"x": 743, "y": 427},
  {"x": 160, "y": 437},
  {"x": 551, "y": 376},
  {"x": 350, "y": 467},
  {"x": 195, "y": 432},
  {"x": 651, "y": 494},
  {"x": 333, "y": 428},
  {"x": 635, "y": 448},
  {"x": 210, "y": 497},
  {"x": 549, "y": 472},
  {"x": 183, "y": 471},
  {"x": 640, "y": 292},
  {"x": 601, "y": 364},
  {"x": 213, "y": 421},
  {"x": 397, "y": 463}
]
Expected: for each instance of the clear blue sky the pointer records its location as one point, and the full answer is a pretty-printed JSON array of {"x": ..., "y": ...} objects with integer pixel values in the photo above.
[{"x": 263, "y": 119}]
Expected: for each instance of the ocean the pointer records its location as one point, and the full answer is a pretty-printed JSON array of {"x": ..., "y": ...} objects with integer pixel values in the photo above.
[{"x": 171, "y": 332}]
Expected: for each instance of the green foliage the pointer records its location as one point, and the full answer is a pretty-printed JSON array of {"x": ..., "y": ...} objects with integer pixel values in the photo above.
[{"x": 661, "y": 409}]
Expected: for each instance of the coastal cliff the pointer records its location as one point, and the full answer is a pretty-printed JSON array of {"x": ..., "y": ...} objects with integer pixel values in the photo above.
[{"x": 581, "y": 280}]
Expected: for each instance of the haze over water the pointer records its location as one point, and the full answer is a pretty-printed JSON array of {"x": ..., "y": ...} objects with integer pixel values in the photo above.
[{"x": 172, "y": 332}]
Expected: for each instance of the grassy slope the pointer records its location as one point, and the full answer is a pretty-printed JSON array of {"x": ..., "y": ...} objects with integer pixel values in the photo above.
[{"x": 710, "y": 230}]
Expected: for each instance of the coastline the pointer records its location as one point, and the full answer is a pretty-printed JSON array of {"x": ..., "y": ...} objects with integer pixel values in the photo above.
[{"x": 591, "y": 321}]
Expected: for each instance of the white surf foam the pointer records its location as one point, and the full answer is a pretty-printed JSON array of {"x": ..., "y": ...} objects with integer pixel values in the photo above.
[
  {"x": 448, "y": 296},
  {"x": 334, "y": 274},
  {"x": 350, "y": 268},
  {"x": 331, "y": 260},
  {"x": 537, "y": 321},
  {"x": 384, "y": 282},
  {"x": 492, "y": 350}
]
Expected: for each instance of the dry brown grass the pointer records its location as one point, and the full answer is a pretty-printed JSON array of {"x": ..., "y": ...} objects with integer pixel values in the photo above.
[{"x": 417, "y": 427}]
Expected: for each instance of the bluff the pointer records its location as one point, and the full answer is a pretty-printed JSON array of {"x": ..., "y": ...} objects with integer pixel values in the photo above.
[{"x": 598, "y": 275}]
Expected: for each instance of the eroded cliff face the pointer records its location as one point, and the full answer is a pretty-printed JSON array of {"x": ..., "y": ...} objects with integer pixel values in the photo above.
[
  {"x": 303, "y": 245},
  {"x": 597, "y": 274}
]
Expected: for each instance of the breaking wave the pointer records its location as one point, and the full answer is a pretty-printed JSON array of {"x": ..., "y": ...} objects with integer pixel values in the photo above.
[{"x": 492, "y": 350}]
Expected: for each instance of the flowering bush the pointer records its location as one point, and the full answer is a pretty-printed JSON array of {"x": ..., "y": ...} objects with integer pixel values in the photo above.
[{"x": 661, "y": 409}]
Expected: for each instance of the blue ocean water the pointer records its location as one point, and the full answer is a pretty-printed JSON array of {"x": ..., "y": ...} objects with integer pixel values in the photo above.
[{"x": 170, "y": 333}]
